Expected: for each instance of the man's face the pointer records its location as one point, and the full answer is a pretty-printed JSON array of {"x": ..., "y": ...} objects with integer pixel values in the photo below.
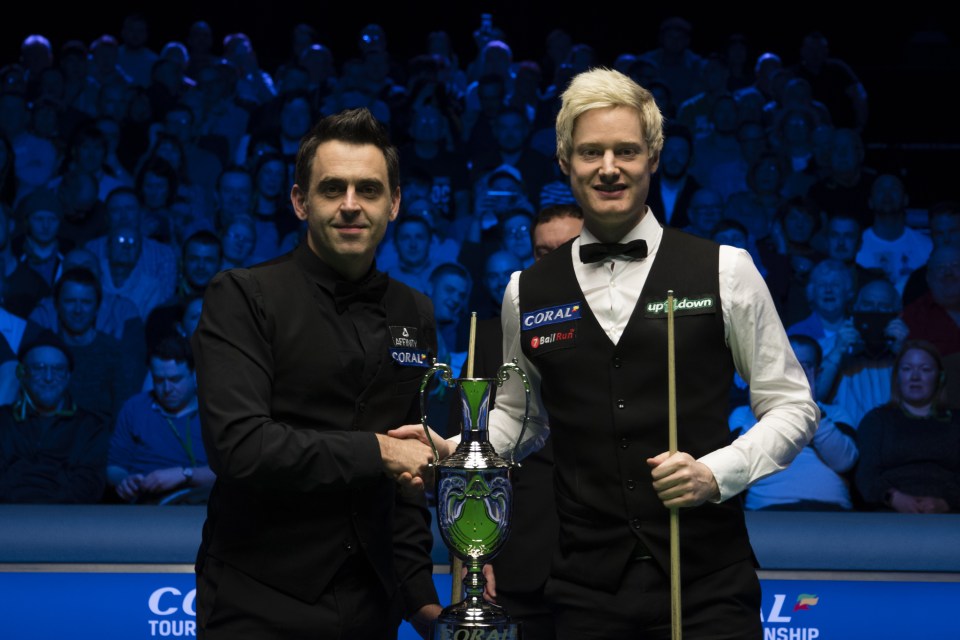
[
  {"x": 500, "y": 266},
  {"x": 89, "y": 156},
  {"x": 798, "y": 225},
  {"x": 943, "y": 276},
  {"x": 77, "y": 307},
  {"x": 549, "y": 235},
  {"x": 124, "y": 248},
  {"x": 295, "y": 119},
  {"x": 511, "y": 131},
  {"x": 270, "y": 179},
  {"x": 610, "y": 168},
  {"x": 413, "y": 244},
  {"x": 843, "y": 239},
  {"x": 516, "y": 237},
  {"x": 831, "y": 293},
  {"x": 238, "y": 242},
  {"x": 347, "y": 204},
  {"x": 42, "y": 226},
  {"x": 845, "y": 154},
  {"x": 46, "y": 375},
  {"x": 156, "y": 189},
  {"x": 236, "y": 194},
  {"x": 705, "y": 211},
  {"x": 449, "y": 297},
  {"x": 200, "y": 263},
  {"x": 427, "y": 125},
  {"x": 887, "y": 195},
  {"x": 123, "y": 210},
  {"x": 877, "y": 296},
  {"x": 675, "y": 157},
  {"x": 945, "y": 230},
  {"x": 174, "y": 385}
]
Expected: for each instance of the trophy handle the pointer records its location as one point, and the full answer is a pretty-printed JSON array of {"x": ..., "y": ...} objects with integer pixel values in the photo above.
[
  {"x": 446, "y": 378},
  {"x": 503, "y": 374}
]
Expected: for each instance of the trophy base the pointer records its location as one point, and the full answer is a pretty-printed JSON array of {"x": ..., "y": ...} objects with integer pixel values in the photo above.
[{"x": 466, "y": 622}]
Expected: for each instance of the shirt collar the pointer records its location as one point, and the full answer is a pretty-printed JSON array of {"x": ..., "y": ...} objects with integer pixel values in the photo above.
[
  {"x": 319, "y": 271},
  {"x": 647, "y": 229}
]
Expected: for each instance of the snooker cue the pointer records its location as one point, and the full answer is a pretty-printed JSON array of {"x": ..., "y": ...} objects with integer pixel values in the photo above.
[
  {"x": 676, "y": 622},
  {"x": 456, "y": 567}
]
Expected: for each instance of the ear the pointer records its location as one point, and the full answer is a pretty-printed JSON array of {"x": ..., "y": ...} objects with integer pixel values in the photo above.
[
  {"x": 655, "y": 162},
  {"x": 395, "y": 204},
  {"x": 299, "y": 200},
  {"x": 564, "y": 166}
]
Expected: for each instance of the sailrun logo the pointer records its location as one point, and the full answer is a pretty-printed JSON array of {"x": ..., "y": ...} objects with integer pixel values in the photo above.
[{"x": 779, "y": 622}]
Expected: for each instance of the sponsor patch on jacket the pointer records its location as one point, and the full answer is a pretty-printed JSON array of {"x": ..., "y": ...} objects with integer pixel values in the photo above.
[
  {"x": 405, "y": 337},
  {"x": 550, "y": 315},
  {"x": 555, "y": 337},
  {"x": 410, "y": 357},
  {"x": 682, "y": 306}
]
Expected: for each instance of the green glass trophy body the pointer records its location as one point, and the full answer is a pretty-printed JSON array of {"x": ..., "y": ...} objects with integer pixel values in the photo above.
[{"x": 474, "y": 501}]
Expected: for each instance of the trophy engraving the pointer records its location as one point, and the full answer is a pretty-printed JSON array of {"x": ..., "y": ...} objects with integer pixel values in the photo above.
[{"x": 474, "y": 500}]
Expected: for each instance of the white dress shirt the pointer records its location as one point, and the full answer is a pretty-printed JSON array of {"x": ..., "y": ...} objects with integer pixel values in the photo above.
[{"x": 779, "y": 392}]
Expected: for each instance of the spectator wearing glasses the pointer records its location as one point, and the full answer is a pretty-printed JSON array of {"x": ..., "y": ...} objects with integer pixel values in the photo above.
[{"x": 51, "y": 450}]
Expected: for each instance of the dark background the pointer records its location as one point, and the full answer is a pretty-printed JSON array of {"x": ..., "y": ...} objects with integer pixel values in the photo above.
[{"x": 911, "y": 80}]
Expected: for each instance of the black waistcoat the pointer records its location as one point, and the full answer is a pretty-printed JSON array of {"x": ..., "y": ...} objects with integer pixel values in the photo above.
[{"x": 608, "y": 411}]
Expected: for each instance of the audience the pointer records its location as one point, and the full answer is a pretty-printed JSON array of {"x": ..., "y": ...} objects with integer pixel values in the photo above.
[{"x": 118, "y": 159}]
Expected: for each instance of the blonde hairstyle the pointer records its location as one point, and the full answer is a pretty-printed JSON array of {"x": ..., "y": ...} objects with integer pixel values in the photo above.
[{"x": 602, "y": 88}]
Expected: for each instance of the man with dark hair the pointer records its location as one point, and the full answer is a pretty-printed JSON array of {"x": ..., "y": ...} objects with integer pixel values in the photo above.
[
  {"x": 303, "y": 364},
  {"x": 156, "y": 447},
  {"x": 51, "y": 451}
]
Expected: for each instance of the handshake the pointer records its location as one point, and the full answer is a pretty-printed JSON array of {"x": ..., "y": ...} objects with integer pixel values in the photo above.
[{"x": 407, "y": 455}]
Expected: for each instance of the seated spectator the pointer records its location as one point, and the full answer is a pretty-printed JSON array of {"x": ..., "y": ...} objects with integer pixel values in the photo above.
[
  {"x": 200, "y": 262},
  {"x": 237, "y": 241},
  {"x": 908, "y": 448},
  {"x": 705, "y": 211},
  {"x": 413, "y": 238},
  {"x": 22, "y": 286},
  {"x": 117, "y": 316},
  {"x": 156, "y": 448},
  {"x": 51, "y": 450},
  {"x": 672, "y": 186},
  {"x": 813, "y": 481},
  {"x": 496, "y": 276},
  {"x": 829, "y": 291},
  {"x": 865, "y": 348},
  {"x": 14, "y": 331},
  {"x": 944, "y": 223},
  {"x": 450, "y": 285},
  {"x": 104, "y": 376},
  {"x": 554, "y": 226},
  {"x": 890, "y": 245},
  {"x": 39, "y": 248},
  {"x": 133, "y": 265},
  {"x": 935, "y": 316}
]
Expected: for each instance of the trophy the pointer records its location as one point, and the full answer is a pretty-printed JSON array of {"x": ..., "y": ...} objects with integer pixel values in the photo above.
[{"x": 474, "y": 499}]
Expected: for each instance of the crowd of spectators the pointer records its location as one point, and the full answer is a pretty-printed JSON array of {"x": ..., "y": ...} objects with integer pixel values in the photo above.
[{"x": 129, "y": 177}]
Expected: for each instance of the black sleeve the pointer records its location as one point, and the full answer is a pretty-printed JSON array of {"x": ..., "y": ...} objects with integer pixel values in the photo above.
[{"x": 234, "y": 364}]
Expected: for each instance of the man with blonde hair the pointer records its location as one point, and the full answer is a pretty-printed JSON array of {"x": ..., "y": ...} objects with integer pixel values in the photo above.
[{"x": 597, "y": 365}]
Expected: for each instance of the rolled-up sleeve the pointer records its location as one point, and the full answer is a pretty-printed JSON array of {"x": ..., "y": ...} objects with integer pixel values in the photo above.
[{"x": 779, "y": 393}]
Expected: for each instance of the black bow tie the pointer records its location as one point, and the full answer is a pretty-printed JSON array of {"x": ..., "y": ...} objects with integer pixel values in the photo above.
[
  {"x": 370, "y": 289},
  {"x": 597, "y": 251}
]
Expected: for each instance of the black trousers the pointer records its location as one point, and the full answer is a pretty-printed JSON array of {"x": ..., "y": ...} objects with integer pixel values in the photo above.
[
  {"x": 723, "y": 605},
  {"x": 233, "y": 606},
  {"x": 529, "y": 608}
]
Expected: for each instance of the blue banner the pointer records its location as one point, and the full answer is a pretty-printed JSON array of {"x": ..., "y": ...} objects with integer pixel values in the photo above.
[{"x": 101, "y": 606}]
